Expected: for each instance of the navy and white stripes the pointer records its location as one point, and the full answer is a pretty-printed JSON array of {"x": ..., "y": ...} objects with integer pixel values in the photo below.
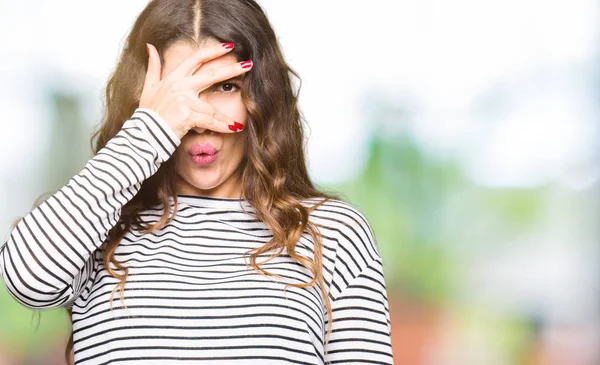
[{"x": 190, "y": 295}]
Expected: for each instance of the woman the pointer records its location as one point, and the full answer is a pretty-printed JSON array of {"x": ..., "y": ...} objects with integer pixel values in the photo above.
[{"x": 198, "y": 209}]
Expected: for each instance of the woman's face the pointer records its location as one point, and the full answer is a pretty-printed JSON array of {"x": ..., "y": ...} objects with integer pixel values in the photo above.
[{"x": 219, "y": 177}]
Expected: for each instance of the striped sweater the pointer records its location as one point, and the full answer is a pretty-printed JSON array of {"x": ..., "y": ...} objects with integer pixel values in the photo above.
[{"x": 190, "y": 295}]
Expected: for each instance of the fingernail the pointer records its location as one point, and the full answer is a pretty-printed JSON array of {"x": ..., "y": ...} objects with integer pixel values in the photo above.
[
  {"x": 233, "y": 128},
  {"x": 246, "y": 64},
  {"x": 148, "y": 49},
  {"x": 227, "y": 45},
  {"x": 238, "y": 125}
]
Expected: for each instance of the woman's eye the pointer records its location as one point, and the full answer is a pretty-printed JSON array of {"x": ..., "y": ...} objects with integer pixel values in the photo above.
[{"x": 227, "y": 87}]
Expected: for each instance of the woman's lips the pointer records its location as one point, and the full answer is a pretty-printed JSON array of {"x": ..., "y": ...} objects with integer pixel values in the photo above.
[
  {"x": 203, "y": 154},
  {"x": 204, "y": 159}
]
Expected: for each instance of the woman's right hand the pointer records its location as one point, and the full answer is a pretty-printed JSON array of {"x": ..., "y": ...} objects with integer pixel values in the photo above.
[{"x": 175, "y": 97}]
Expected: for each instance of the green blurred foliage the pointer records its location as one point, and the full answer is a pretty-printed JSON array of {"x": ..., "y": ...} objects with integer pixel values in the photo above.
[
  {"x": 426, "y": 214},
  {"x": 30, "y": 332}
]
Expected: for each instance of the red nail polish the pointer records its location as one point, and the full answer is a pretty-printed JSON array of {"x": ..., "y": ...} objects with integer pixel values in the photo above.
[
  {"x": 246, "y": 64},
  {"x": 238, "y": 125},
  {"x": 233, "y": 128},
  {"x": 227, "y": 45}
]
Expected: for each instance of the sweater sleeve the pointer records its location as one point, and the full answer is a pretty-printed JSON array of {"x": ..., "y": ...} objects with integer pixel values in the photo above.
[
  {"x": 49, "y": 255},
  {"x": 361, "y": 329}
]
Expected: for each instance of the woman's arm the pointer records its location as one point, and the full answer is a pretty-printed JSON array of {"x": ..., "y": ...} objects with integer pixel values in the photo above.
[
  {"x": 48, "y": 256},
  {"x": 361, "y": 330}
]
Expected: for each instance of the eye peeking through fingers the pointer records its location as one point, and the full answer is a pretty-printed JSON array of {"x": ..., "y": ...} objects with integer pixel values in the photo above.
[{"x": 228, "y": 87}]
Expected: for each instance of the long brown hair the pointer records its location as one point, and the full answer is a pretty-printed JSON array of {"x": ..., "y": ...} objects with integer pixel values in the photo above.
[{"x": 274, "y": 176}]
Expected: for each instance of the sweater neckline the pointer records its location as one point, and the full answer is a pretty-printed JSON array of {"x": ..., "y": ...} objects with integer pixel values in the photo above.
[{"x": 213, "y": 202}]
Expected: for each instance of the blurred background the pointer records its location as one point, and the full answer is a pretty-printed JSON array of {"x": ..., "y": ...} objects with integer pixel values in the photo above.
[{"x": 467, "y": 131}]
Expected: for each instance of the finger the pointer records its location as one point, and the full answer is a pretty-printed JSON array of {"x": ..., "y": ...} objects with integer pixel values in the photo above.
[
  {"x": 190, "y": 64},
  {"x": 207, "y": 117},
  {"x": 205, "y": 78},
  {"x": 205, "y": 121},
  {"x": 154, "y": 68}
]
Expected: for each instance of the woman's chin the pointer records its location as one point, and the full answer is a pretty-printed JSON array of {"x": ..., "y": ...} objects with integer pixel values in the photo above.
[{"x": 204, "y": 185}]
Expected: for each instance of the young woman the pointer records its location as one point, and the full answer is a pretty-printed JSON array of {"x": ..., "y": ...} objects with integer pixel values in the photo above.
[{"x": 198, "y": 210}]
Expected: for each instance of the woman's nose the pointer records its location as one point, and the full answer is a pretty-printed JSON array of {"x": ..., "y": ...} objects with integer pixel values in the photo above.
[{"x": 202, "y": 130}]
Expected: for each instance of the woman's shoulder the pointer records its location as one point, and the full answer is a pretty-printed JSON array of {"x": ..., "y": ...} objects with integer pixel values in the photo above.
[
  {"x": 336, "y": 210},
  {"x": 347, "y": 231},
  {"x": 345, "y": 223}
]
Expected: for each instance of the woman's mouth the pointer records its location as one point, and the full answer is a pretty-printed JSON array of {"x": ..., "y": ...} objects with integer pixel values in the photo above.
[{"x": 203, "y": 154}]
